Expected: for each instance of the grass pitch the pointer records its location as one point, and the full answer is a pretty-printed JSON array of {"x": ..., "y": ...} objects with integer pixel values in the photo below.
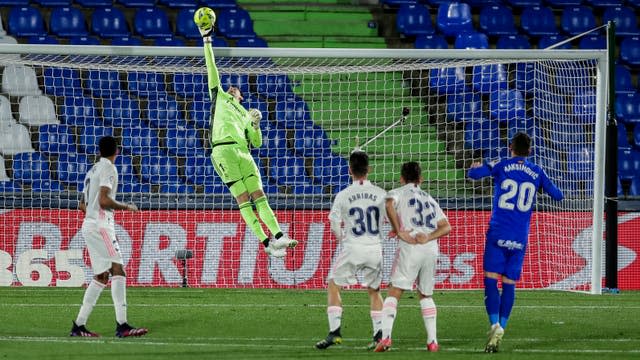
[{"x": 285, "y": 324}]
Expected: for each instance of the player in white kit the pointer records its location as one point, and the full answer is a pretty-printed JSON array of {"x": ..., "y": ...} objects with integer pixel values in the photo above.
[
  {"x": 98, "y": 229},
  {"x": 355, "y": 218},
  {"x": 417, "y": 219}
]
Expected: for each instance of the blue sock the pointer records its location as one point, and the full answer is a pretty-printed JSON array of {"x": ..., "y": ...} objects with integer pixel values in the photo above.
[
  {"x": 506, "y": 302},
  {"x": 492, "y": 299}
]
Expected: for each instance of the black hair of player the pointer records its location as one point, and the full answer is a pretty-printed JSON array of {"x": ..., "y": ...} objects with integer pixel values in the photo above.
[
  {"x": 410, "y": 172},
  {"x": 521, "y": 144},
  {"x": 359, "y": 163},
  {"x": 108, "y": 146}
]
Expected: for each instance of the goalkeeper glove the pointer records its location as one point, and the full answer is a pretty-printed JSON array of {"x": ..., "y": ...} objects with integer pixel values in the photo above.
[{"x": 255, "y": 115}]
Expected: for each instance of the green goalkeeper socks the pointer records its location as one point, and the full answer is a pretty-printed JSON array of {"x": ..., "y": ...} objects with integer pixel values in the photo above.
[
  {"x": 266, "y": 215},
  {"x": 246, "y": 210}
]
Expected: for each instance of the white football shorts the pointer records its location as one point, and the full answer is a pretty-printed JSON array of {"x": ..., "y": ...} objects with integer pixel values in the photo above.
[
  {"x": 415, "y": 263},
  {"x": 103, "y": 247},
  {"x": 357, "y": 258}
]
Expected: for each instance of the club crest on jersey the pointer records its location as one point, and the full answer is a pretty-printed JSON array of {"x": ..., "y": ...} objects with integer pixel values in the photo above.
[{"x": 510, "y": 244}]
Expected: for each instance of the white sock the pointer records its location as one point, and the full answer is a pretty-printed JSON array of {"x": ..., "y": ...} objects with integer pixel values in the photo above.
[
  {"x": 389, "y": 311},
  {"x": 119, "y": 296},
  {"x": 334, "y": 313},
  {"x": 376, "y": 320},
  {"x": 90, "y": 299},
  {"x": 429, "y": 313}
]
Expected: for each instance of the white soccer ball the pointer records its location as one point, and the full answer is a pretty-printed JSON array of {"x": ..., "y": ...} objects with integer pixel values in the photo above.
[{"x": 204, "y": 18}]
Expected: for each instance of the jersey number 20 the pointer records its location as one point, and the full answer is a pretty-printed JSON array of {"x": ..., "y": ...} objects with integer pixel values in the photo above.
[
  {"x": 366, "y": 220},
  {"x": 524, "y": 191}
]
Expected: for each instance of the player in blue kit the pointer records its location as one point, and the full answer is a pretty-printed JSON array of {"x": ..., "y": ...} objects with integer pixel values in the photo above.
[{"x": 516, "y": 183}]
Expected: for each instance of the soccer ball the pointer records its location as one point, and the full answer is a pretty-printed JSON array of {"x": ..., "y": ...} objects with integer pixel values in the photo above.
[{"x": 204, "y": 18}]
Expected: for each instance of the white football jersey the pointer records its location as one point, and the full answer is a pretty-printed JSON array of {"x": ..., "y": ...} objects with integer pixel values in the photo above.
[
  {"x": 102, "y": 173},
  {"x": 416, "y": 209},
  {"x": 360, "y": 208}
]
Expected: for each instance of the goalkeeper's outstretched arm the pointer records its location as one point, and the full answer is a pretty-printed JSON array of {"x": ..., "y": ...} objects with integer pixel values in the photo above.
[{"x": 212, "y": 69}]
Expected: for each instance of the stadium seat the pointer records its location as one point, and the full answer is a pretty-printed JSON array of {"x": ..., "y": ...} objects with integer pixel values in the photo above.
[
  {"x": 94, "y": 3},
  {"x": 52, "y": 3},
  {"x": 160, "y": 170},
  {"x": 636, "y": 135},
  {"x": 449, "y": 80},
  {"x": 36, "y": 110},
  {"x": 431, "y": 42},
  {"x": 414, "y": 20},
  {"x": 464, "y": 107},
  {"x": 141, "y": 141},
  {"x": 84, "y": 40},
  {"x": 199, "y": 170},
  {"x": 593, "y": 42},
  {"x": 454, "y": 18},
  {"x": 471, "y": 40},
  {"x": 497, "y": 20},
  {"x": 126, "y": 170},
  {"x": 538, "y": 21},
  {"x": 308, "y": 189},
  {"x": 623, "y": 80},
  {"x": 235, "y": 23},
  {"x": 630, "y": 50},
  {"x": 72, "y": 169},
  {"x": 634, "y": 188},
  {"x": 56, "y": 139},
  {"x": 14, "y": 139},
  {"x": 80, "y": 111},
  {"x": 311, "y": 142},
  {"x": 43, "y": 39},
  {"x": 624, "y": 17},
  {"x": 185, "y": 25},
  {"x": 138, "y": 3},
  {"x": 168, "y": 41},
  {"x": 8, "y": 186},
  {"x": 179, "y": 3},
  {"x": 177, "y": 189},
  {"x": 199, "y": 111},
  {"x": 6, "y": 114},
  {"x": 104, "y": 83},
  {"x": 274, "y": 86},
  {"x": 3, "y": 171},
  {"x": 551, "y": 40},
  {"x": 190, "y": 85},
  {"x": 623, "y": 139},
  {"x": 292, "y": 113},
  {"x": 90, "y": 136},
  {"x": 522, "y": 124},
  {"x": 133, "y": 187},
  {"x": 606, "y": 3},
  {"x": 482, "y": 134},
  {"x": 627, "y": 107},
  {"x": 14, "y": 3},
  {"x": 30, "y": 166},
  {"x": 19, "y": 80},
  {"x": 274, "y": 143},
  {"x": 62, "y": 81},
  {"x": 563, "y": 3},
  {"x": 164, "y": 112},
  {"x": 584, "y": 106},
  {"x": 397, "y": 3},
  {"x": 121, "y": 112},
  {"x": 146, "y": 84},
  {"x": 253, "y": 42},
  {"x": 109, "y": 22},
  {"x": 67, "y": 22},
  {"x": 184, "y": 142},
  {"x": 126, "y": 41},
  {"x": 580, "y": 165},
  {"x": 489, "y": 78},
  {"x": 46, "y": 186},
  {"x": 506, "y": 105},
  {"x": 240, "y": 81},
  {"x": 25, "y": 21},
  {"x": 219, "y": 4},
  {"x": 550, "y": 106},
  {"x": 577, "y": 19},
  {"x": 151, "y": 22},
  {"x": 513, "y": 42},
  {"x": 628, "y": 164},
  {"x": 566, "y": 135},
  {"x": 289, "y": 170},
  {"x": 331, "y": 170},
  {"x": 524, "y": 3}
]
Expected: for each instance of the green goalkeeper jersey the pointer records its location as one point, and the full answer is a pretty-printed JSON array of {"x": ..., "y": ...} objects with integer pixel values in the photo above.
[{"x": 230, "y": 121}]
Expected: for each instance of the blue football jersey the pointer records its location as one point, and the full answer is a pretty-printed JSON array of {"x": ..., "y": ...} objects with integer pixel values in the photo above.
[{"x": 516, "y": 182}]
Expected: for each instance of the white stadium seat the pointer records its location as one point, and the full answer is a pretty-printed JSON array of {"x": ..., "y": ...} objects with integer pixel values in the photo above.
[
  {"x": 18, "y": 80},
  {"x": 15, "y": 139},
  {"x": 37, "y": 110}
]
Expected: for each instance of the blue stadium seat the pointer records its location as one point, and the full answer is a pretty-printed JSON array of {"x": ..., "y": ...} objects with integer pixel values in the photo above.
[
  {"x": 471, "y": 40},
  {"x": 431, "y": 42},
  {"x": 513, "y": 42},
  {"x": 168, "y": 41},
  {"x": 8, "y": 186},
  {"x": 43, "y": 39},
  {"x": 623, "y": 80},
  {"x": 550, "y": 106},
  {"x": 606, "y": 3},
  {"x": 46, "y": 186},
  {"x": 109, "y": 23},
  {"x": 14, "y": 3},
  {"x": 274, "y": 86},
  {"x": 25, "y": 21},
  {"x": 311, "y": 142},
  {"x": 121, "y": 111},
  {"x": 522, "y": 124},
  {"x": 567, "y": 136},
  {"x": 138, "y": 3},
  {"x": 179, "y": 4},
  {"x": 235, "y": 23},
  {"x": 593, "y": 42},
  {"x": 126, "y": 170},
  {"x": 464, "y": 107},
  {"x": 141, "y": 141},
  {"x": 524, "y": 77},
  {"x": 62, "y": 81},
  {"x": 332, "y": 170},
  {"x": 308, "y": 189},
  {"x": 184, "y": 142},
  {"x": 177, "y": 189},
  {"x": 551, "y": 40},
  {"x": 185, "y": 25},
  {"x": 94, "y": 3},
  {"x": 104, "y": 83},
  {"x": 126, "y": 41},
  {"x": 219, "y": 4},
  {"x": 506, "y": 105},
  {"x": 253, "y": 42},
  {"x": 190, "y": 85},
  {"x": 67, "y": 22},
  {"x": 524, "y": 3},
  {"x": 164, "y": 112},
  {"x": 538, "y": 21},
  {"x": 160, "y": 169},
  {"x": 145, "y": 84},
  {"x": 80, "y": 111},
  {"x": 577, "y": 19},
  {"x": 623, "y": 139},
  {"x": 627, "y": 107},
  {"x": 293, "y": 113},
  {"x": 151, "y": 23},
  {"x": 274, "y": 143},
  {"x": 490, "y": 78},
  {"x": 497, "y": 20},
  {"x": 450, "y": 80},
  {"x": 636, "y": 135},
  {"x": 56, "y": 139},
  {"x": 624, "y": 17},
  {"x": 289, "y": 170},
  {"x": 634, "y": 188},
  {"x": 89, "y": 137},
  {"x": 397, "y": 3},
  {"x": 584, "y": 106},
  {"x": 72, "y": 169},
  {"x": 580, "y": 165},
  {"x": 482, "y": 134},
  {"x": 563, "y": 3},
  {"x": 199, "y": 111},
  {"x": 241, "y": 81},
  {"x": 84, "y": 40},
  {"x": 216, "y": 188},
  {"x": 199, "y": 170},
  {"x": 628, "y": 164},
  {"x": 414, "y": 19},
  {"x": 133, "y": 187},
  {"x": 30, "y": 166},
  {"x": 454, "y": 18},
  {"x": 630, "y": 50}
]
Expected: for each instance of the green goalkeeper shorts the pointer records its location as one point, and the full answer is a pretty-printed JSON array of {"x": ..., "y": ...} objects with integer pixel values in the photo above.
[{"x": 233, "y": 164}]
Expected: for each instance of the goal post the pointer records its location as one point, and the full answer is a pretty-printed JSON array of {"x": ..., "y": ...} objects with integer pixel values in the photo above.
[{"x": 463, "y": 106}]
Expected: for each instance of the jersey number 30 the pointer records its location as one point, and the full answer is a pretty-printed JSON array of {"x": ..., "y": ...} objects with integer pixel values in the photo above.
[
  {"x": 365, "y": 220},
  {"x": 524, "y": 191}
]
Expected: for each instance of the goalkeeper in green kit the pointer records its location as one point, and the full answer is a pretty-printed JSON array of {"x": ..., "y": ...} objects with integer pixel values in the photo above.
[{"x": 232, "y": 128}]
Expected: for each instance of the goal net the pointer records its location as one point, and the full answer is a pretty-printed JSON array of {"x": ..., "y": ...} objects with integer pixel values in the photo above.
[{"x": 317, "y": 105}]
